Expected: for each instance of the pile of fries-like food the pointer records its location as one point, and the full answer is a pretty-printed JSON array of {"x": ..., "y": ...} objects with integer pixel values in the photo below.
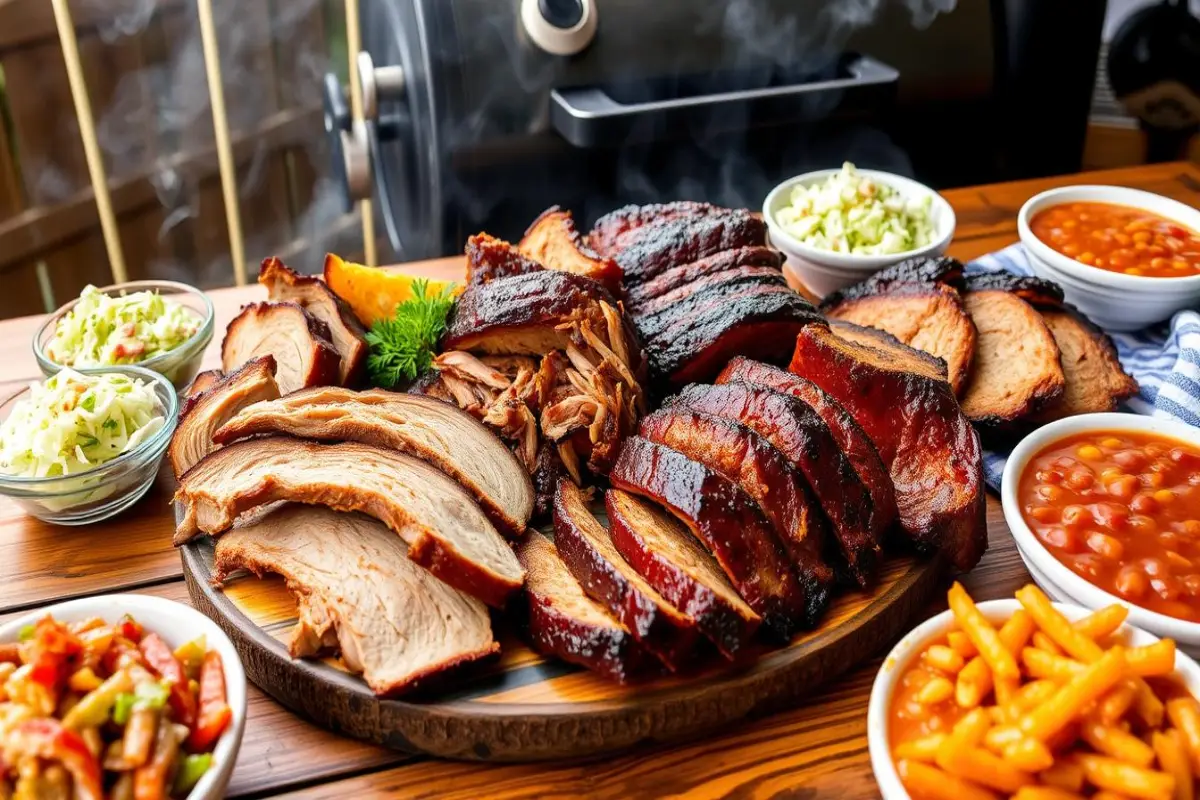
[
  {"x": 1040, "y": 708},
  {"x": 92, "y": 711}
]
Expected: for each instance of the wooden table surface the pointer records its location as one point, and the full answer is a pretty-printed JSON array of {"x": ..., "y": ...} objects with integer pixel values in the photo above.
[{"x": 816, "y": 750}]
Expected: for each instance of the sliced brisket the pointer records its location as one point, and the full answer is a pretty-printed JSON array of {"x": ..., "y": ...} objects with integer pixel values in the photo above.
[{"x": 685, "y": 274}]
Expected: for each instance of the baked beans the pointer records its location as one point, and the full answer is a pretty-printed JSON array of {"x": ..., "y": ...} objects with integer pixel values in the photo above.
[
  {"x": 1120, "y": 239},
  {"x": 1121, "y": 509}
]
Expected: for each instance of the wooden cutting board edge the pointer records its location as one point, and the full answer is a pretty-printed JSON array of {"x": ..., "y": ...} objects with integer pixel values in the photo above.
[{"x": 511, "y": 732}]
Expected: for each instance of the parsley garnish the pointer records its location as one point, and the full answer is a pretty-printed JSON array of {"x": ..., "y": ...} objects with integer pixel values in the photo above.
[{"x": 402, "y": 347}]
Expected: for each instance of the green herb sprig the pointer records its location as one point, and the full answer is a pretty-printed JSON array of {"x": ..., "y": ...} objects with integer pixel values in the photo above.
[{"x": 402, "y": 347}]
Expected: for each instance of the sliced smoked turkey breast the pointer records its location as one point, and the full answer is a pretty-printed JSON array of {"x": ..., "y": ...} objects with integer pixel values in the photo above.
[
  {"x": 445, "y": 530},
  {"x": 725, "y": 519},
  {"x": 300, "y": 343},
  {"x": 203, "y": 413},
  {"x": 564, "y": 622},
  {"x": 931, "y": 450},
  {"x": 759, "y": 469},
  {"x": 204, "y": 380},
  {"x": 358, "y": 594},
  {"x": 585, "y": 546},
  {"x": 437, "y": 432},
  {"x": 313, "y": 295},
  {"x": 851, "y": 439},
  {"x": 687, "y": 576}
]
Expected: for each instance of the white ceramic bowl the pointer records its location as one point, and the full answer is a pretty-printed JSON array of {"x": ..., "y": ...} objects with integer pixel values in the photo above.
[
  {"x": 176, "y": 624},
  {"x": 1055, "y": 578},
  {"x": 908, "y": 648},
  {"x": 1112, "y": 300},
  {"x": 824, "y": 271}
]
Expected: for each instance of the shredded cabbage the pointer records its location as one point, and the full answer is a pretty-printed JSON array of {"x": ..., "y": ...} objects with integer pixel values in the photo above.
[
  {"x": 102, "y": 330},
  {"x": 850, "y": 213},
  {"x": 73, "y": 422}
]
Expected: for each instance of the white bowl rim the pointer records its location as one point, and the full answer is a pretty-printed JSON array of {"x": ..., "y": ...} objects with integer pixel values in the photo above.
[
  {"x": 1029, "y": 546},
  {"x": 1116, "y": 195},
  {"x": 859, "y": 261},
  {"x": 878, "y": 739},
  {"x": 226, "y": 751}
]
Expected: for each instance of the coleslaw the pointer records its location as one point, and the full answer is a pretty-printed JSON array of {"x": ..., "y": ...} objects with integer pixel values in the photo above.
[
  {"x": 852, "y": 213},
  {"x": 104, "y": 330},
  {"x": 73, "y": 422}
]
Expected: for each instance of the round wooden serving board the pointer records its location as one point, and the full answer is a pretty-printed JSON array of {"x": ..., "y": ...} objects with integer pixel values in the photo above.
[{"x": 522, "y": 707}]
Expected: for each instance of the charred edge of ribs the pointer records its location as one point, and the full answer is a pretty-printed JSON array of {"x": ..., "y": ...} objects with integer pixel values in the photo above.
[
  {"x": 1038, "y": 292},
  {"x": 850, "y": 437},
  {"x": 587, "y": 549},
  {"x": 759, "y": 322},
  {"x": 670, "y": 559},
  {"x": 867, "y": 336},
  {"x": 611, "y": 232},
  {"x": 935, "y": 269},
  {"x": 930, "y": 448},
  {"x": 767, "y": 276},
  {"x": 780, "y": 489},
  {"x": 1018, "y": 368},
  {"x": 681, "y": 241},
  {"x": 539, "y": 299},
  {"x": 566, "y": 623},
  {"x": 554, "y": 242},
  {"x": 793, "y": 428},
  {"x": 346, "y": 333},
  {"x": 489, "y": 259},
  {"x": 684, "y": 274},
  {"x": 725, "y": 519}
]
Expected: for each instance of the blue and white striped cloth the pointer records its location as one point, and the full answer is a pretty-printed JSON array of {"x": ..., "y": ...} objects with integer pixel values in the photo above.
[{"x": 1165, "y": 360}]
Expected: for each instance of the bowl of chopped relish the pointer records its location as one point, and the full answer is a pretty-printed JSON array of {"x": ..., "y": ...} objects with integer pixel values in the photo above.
[
  {"x": 162, "y": 326},
  {"x": 80, "y": 447},
  {"x": 119, "y": 696}
]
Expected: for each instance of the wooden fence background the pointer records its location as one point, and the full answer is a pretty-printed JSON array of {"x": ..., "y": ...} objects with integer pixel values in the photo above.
[{"x": 145, "y": 76}]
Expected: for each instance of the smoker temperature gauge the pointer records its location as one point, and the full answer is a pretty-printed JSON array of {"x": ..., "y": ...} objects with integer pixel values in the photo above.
[{"x": 559, "y": 27}]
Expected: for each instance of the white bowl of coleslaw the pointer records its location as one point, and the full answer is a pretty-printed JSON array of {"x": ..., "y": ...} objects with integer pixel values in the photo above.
[
  {"x": 75, "y": 450},
  {"x": 831, "y": 242}
]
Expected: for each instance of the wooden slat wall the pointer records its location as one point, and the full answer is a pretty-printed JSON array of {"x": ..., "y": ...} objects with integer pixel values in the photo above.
[{"x": 155, "y": 125}]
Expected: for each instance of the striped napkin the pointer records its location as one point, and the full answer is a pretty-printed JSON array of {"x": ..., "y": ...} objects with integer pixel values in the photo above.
[{"x": 1164, "y": 359}]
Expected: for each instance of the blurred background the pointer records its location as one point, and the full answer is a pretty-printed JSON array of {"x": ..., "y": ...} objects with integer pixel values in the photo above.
[{"x": 492, "y": 115}]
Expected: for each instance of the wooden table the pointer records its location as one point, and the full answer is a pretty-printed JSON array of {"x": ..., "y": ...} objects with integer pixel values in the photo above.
[{"x": 816, "y": 750}]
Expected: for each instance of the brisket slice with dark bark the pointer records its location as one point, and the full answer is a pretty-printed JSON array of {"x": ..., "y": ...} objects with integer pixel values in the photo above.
[
  {"x": 804, "y": 439},
  {"x": 917, "y": 360},
  {"x": 685, "y": 274},
  {"x": 927, "y": 269},
  {"x": 725, "y": 519},
  {"x": 1037, "y": 292},
  {"x": 930, "y": 448},
  {"x": 664, "y": 245},
  {"x": 586, "y": 548},
  {"x": 764, "y": 276},
  {"x": 670, "y": 559},
  {"x": 617, "y": 229},
  {"x": 489, "y": 258},
  {"x": 850, "y": 438},
  {"x": 564, "y": 622},
  {"x": 750, "y": 461}
]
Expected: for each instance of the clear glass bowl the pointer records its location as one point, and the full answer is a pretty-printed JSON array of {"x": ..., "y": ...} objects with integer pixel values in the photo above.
[
  {"x": 178, "y": 365},
  {"x": 110, "y": 488}
]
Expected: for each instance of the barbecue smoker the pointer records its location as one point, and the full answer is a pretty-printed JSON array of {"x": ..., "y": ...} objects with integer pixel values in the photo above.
[{"x": 481, "y": 113}]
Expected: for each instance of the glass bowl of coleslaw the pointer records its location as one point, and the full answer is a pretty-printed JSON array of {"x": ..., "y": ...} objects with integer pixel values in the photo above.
[
  {"x": 84, "y": 445},
  {"x": 163, "y": 326}
]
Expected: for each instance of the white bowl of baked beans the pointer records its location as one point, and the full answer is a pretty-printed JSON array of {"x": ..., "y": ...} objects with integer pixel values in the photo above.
[{"x": 1105, "y": 508}]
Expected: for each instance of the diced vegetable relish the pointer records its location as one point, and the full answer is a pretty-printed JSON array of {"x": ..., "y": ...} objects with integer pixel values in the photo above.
[
  {"x": 102, "y": 330},
  {"x": 851, "y": 213},
  {"x": 92, "y": 710},
  {"x": 74, "y": 422}
]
